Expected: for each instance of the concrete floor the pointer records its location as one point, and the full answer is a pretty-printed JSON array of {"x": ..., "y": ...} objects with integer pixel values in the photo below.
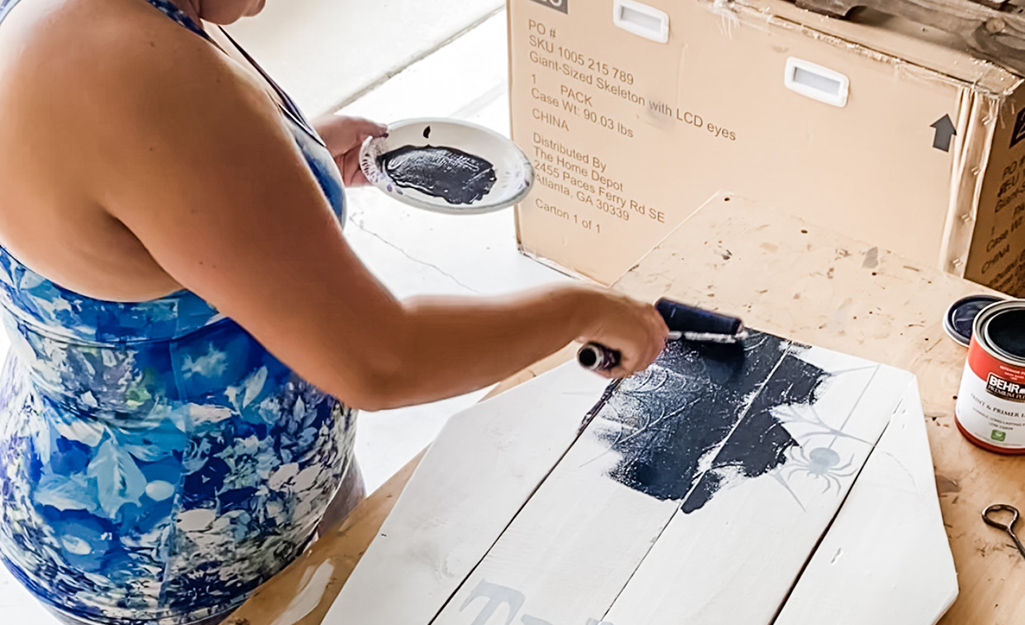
[{"x": 411, "y": 251}]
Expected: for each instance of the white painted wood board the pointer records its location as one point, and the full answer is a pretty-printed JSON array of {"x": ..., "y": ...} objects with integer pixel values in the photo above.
[
  {"x": 887, "y": 540},
  {"x": 574, "y": 537},
  {"x": 574, "y": 545},
  {"x": 485, "y": 464},
  {"x": 736, "y": 561}
]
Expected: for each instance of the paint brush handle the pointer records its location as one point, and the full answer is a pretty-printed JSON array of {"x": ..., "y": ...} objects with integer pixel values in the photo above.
[
  {"x": 597, "y": 357},
  {"x": 685, "y": 322}
]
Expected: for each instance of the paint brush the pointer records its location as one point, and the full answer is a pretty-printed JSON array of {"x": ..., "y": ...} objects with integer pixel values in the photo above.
[{"x": 685, "y": 323}]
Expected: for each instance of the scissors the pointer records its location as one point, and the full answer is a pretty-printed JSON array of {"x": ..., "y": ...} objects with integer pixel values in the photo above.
[{"x": 1008, "y": 528}]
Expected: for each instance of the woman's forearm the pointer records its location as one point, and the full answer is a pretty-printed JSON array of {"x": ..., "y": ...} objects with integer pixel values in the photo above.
[{"x": 449, "y": 346}]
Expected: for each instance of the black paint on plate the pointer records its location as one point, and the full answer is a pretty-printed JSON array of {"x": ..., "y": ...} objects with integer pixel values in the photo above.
[
  {"x": 455, "y": 176},
  {"x": 703, "y": 415}
]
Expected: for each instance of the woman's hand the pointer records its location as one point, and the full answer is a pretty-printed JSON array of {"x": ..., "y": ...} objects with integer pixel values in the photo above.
[
  {"x": 635, "y": 329},
  {"x": 344, "y": 136}
]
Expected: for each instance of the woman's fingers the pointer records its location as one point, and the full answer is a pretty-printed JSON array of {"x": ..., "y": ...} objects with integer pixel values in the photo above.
[{"x": 343, "y": 134}]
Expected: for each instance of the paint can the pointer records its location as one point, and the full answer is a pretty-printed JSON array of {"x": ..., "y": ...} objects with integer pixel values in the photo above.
[{"x": 990, "y": 408}]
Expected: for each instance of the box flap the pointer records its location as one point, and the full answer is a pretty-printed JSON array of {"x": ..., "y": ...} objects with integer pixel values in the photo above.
[{"x": 892, "y": 36}]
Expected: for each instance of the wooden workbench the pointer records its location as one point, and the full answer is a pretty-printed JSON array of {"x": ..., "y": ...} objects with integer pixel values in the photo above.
[{"x": 790, "y": 278}]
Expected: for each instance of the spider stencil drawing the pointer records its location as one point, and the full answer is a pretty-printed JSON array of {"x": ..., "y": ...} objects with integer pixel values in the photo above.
[{"x": 821, "y": 463}]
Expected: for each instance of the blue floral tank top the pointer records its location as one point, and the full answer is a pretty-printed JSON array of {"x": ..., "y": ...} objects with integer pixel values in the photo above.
[{"x": 157, "y": 464}]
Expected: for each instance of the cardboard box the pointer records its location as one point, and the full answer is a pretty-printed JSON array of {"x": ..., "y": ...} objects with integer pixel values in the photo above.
[{"x": 634, "y": 114}]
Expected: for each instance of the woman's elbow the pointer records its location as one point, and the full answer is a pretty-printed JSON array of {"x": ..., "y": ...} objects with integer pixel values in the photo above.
[
  {"x": 375, "y": 388},
  {"x": 376, "y": 372}
]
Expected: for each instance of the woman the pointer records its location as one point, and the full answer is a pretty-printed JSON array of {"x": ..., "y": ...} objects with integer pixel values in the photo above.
[{"x": 191, "y": 334}]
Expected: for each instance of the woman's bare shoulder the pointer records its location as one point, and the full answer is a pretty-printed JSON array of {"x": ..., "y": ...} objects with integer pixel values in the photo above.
[
  {"x": 106, "y": 78},
  {"x": 78, "y": 31},
  {"x": 94, "y": 58},
  {"x": 107, "y": 93}
]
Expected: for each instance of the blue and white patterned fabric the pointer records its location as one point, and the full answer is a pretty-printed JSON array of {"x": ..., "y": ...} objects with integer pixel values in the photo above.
[{"x": 157, "y": 464}]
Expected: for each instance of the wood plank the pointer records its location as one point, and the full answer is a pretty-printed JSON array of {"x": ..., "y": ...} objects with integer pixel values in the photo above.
[
  {"x": 570, "y": 551},
  {"x": 485, "y": 464},
  {"x": 574, "y": 547},
  {"x": 735, "y": 560},
  {"x": 795, "y": 279},
  {"x": 890, "y": 520}
]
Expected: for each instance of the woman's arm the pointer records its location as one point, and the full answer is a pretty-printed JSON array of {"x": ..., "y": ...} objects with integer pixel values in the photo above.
[
  {"x": 191, "y": 155},
  {"x": 468, "y": 343}
]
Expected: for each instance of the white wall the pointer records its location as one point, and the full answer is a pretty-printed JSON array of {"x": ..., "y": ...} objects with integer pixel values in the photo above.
[{"x": 325, "y": 51}]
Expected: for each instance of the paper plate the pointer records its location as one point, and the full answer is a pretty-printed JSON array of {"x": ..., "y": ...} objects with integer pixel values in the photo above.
[{"x": 514, "y": 173}]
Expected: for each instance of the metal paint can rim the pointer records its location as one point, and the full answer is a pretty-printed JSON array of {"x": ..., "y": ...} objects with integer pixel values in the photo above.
[
  {"x": 950, "y": 320},
  {"x": 980, "y": 330}
]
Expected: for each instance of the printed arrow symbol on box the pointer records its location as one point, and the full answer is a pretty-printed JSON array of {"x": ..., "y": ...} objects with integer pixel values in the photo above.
[{"x": 945, "y": 132}]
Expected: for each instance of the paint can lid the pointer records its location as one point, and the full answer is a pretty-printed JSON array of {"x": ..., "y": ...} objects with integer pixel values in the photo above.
[{"x": 961, "y": 316}]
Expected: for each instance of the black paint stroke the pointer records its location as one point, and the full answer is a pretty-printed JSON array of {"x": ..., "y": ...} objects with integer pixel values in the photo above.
[
  {"x": 453, "y": 175},
  {"x": 702, "y": 416}
]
